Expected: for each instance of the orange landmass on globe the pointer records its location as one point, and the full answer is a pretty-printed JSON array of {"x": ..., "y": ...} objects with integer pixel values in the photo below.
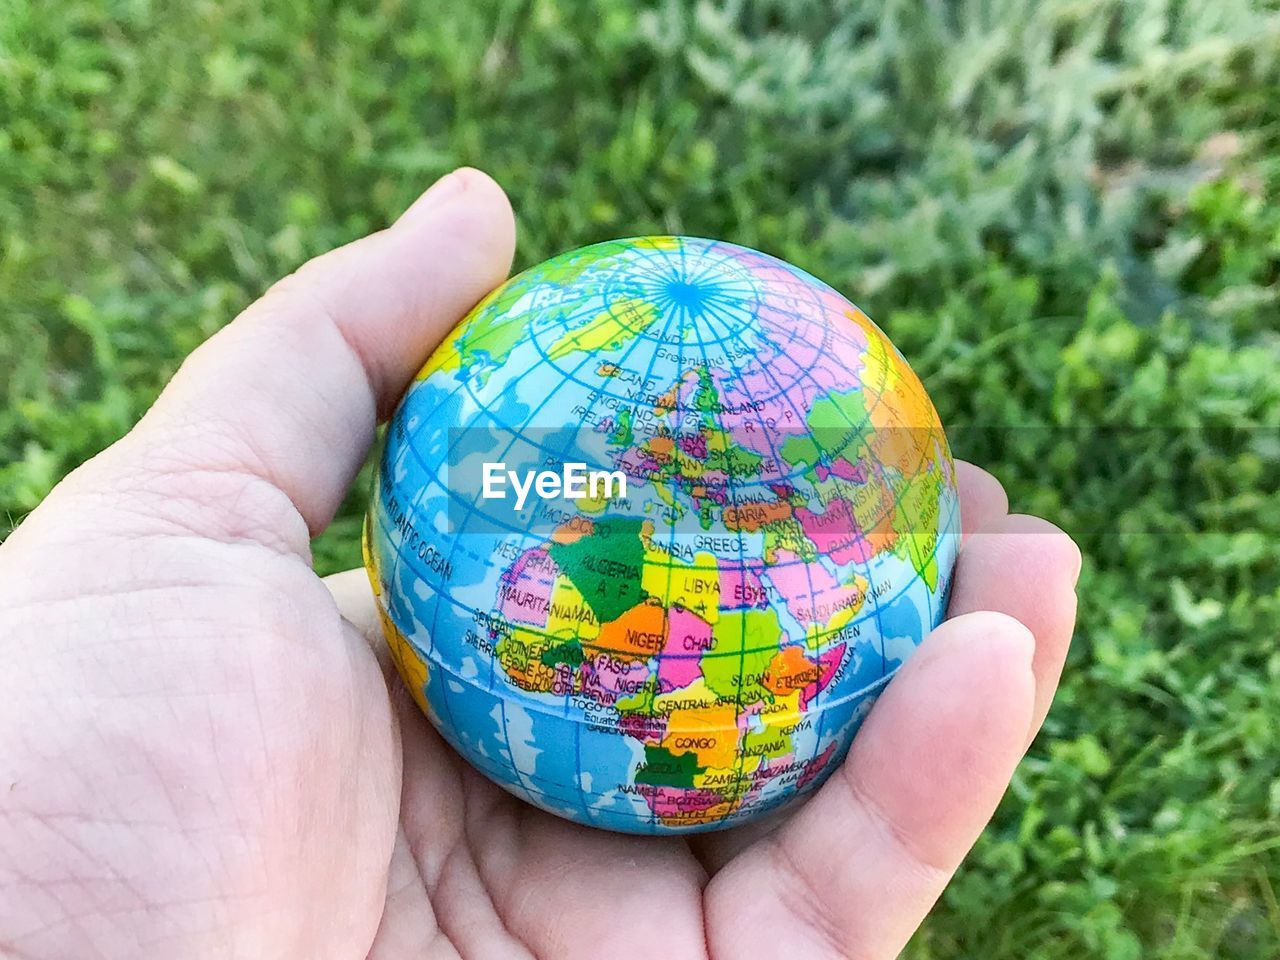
[{"x": 640, "y": 633}]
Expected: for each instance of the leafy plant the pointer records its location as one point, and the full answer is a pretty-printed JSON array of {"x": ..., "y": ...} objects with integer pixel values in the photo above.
[{"x": 1065, "y": 212}]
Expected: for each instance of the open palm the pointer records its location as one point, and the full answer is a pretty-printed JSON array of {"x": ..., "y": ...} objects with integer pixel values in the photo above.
[{"x": 205, "y": 754}]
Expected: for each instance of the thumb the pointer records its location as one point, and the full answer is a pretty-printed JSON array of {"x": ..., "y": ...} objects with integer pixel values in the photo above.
[{"x": 260, "y": 432}]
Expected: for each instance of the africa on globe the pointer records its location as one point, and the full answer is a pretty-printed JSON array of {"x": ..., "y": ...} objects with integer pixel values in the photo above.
[{"x": 654, "y": 527}]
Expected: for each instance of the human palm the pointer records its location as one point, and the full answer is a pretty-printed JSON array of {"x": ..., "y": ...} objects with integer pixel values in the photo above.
[{"x": 207, "y": 755}]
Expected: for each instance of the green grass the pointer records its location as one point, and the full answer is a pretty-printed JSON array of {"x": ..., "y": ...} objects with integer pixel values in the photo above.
[{"x": 1065, "y": 212}]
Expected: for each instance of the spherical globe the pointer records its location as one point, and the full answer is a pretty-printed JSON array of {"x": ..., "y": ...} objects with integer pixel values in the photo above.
[{"x": 653, "y": 528}]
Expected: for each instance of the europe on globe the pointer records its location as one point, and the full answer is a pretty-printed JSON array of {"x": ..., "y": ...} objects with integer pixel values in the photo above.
[{"x": 654, "y": 527}]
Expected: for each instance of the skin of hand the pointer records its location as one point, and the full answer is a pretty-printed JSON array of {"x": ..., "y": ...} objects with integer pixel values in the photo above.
[{"x": 206, "y": 755}]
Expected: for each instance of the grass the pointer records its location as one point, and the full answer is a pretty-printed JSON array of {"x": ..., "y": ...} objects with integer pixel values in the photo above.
[{"x": 1065, "y": 212}]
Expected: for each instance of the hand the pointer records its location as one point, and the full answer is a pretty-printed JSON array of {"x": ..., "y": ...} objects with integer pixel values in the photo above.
[{"x": 206, "y": 755}]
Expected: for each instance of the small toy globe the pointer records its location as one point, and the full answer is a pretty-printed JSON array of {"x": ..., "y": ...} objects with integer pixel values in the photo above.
[{"x": 654, "y": 527}]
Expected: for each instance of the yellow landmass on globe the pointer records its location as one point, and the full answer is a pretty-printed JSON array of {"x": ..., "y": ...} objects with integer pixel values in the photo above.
[
  {"x": 694, "y": 586},
  {"x": 710, "y": 733},
  {"x": 696, "y": 694},
  {"x": 569, "y": 614},
  {"x": 624, "y": 319},
  {"x": 411, "y": 667}
]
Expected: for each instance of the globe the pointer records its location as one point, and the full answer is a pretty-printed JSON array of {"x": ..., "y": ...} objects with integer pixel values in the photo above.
[{"x": 654, "y": 527}]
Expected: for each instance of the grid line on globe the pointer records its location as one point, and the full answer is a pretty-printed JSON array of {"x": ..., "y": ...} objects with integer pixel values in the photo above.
[{"x": 702, "y": 649}]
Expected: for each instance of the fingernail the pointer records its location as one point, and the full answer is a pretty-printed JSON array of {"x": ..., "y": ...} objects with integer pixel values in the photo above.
[
  {"x": 444, "y": 188},
  {"x": 447, "y": 186}
]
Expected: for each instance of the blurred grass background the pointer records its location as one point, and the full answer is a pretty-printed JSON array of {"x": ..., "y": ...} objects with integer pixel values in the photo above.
[{"x": 1063, "y": 211}]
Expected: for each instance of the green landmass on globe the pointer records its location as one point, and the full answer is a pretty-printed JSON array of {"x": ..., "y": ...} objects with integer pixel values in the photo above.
[{"x": 697, "y": 641}]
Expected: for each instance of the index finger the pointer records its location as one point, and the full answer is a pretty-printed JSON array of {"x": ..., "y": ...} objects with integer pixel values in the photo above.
[{"x": 855, "y": 871}]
